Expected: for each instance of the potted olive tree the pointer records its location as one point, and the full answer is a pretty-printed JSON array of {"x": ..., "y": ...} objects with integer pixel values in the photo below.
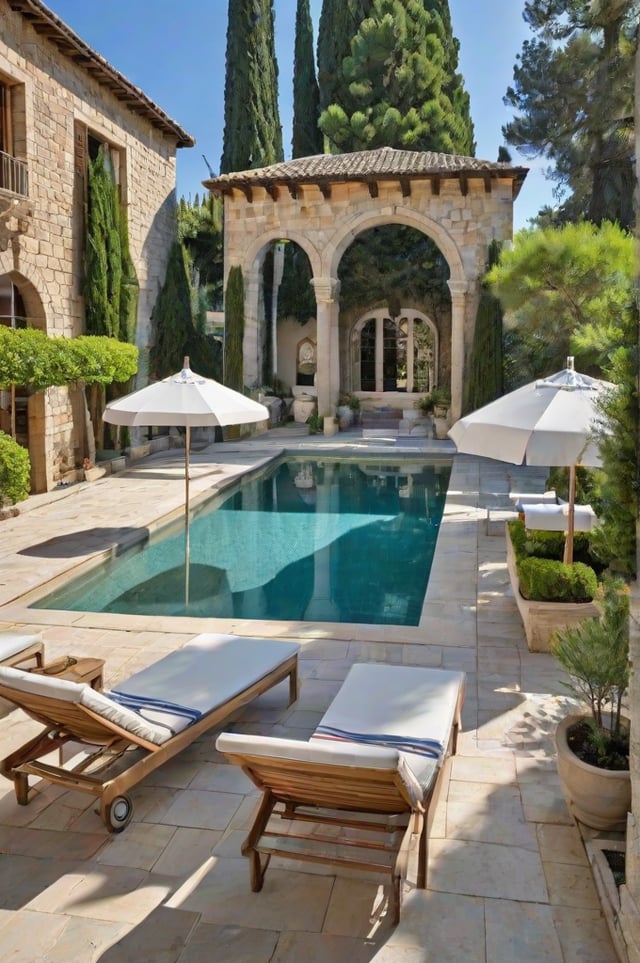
[
  {"x": 441, "y": 402},
  {"x": 593, "y": 747}
]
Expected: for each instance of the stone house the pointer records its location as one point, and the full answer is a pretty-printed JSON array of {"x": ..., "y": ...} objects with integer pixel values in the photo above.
[
  {"x": 59, "y": 102},
  {"x": 323, "y": 203}
]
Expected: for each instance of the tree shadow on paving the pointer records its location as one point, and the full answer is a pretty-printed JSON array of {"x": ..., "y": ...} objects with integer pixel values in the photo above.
[{"x": 86, "y": 542}]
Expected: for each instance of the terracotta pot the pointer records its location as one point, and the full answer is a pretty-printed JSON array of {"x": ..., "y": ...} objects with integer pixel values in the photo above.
[{"x": 599, "y": 798}]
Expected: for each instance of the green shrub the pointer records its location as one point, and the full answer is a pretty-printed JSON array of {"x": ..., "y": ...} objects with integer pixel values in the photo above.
[
  {"x": 547, "y": 580},
  {"x": 527, "y": 542},
  {"x": 316, "y": 424},
  {"x": 15, "y": 469}
]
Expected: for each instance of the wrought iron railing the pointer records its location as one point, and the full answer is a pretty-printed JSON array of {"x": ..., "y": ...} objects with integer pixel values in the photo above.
[{"x": 14, "y": 175}]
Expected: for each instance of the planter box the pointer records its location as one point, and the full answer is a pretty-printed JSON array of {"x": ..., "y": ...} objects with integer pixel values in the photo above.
[
  {"x": 92, "y": 474},
  {"x": 541, "y": 619},
  {"x": 608, "y": 893}
]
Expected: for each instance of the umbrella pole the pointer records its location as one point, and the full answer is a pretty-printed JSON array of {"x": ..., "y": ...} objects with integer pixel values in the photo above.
[
  {"x": 187, "y": 446},
  {"x": 568, "y": 542}
]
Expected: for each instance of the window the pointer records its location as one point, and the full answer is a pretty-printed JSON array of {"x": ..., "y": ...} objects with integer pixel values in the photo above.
[{"x": 394, "y": 355}]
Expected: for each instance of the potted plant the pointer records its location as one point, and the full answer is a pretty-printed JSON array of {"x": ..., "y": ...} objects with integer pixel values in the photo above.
[
  {"x": 593, "y": 748},
  {"x": 441, "y": 402},
  {"x": 347, "y": 410},
  {"x": 424, "y": 405}
]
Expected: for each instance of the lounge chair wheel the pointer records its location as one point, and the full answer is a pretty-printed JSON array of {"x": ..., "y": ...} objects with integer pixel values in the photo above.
[{"x": 118, "y": 813}]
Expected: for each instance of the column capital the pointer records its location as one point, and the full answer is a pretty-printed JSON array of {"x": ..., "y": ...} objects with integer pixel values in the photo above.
[
  {"x": 458, "y": 289},
  {"x": 326, "y": 289}
]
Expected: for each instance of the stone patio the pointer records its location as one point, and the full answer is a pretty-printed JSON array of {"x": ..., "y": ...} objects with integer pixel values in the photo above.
[{"x": 508, "y": 878}]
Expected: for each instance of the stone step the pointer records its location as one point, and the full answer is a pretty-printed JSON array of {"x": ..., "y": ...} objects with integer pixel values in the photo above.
[{"x": 380, "y": 432}]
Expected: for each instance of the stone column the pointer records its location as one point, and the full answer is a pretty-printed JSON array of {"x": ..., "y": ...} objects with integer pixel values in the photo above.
[
  {"x": 251, "y": 340},
  {"x": 458, "y": 311},
  {"x": 328, "y": 353}
]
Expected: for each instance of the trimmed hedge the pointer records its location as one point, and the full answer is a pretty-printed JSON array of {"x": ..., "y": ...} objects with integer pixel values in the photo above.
[
  {"x": 543, "y": 577},
  {"x": 15, "y": 470},
  {"x": 546, "y": 580}
]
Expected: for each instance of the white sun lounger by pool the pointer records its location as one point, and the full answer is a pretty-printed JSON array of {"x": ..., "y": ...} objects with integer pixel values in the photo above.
[
  {"x": 371, "y": 773},
  {"x": 160, "y": 710}
]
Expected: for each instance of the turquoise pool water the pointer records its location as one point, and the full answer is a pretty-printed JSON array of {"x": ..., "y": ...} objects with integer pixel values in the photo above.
[{"x": 326, "y": 540}]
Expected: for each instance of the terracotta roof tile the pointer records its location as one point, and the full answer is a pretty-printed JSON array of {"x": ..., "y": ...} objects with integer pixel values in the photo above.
[{"x": 383, "y": 162}]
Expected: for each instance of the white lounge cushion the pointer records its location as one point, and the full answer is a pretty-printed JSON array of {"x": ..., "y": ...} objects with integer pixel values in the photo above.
[
  {"x": 207, "y": 672},
  {"x": 533, "y": 498},
  {"x": 79, "y": 692},
  {"x": 318, "y": 752},
  {"x": 12, "y": 643},
  {"x": 553, "y": 518},
  {"x": 172, "y": 693},
  {"x": 406, "y": 707}
]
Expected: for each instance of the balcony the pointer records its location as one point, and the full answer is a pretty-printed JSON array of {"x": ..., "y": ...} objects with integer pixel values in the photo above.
[{"x": 14, "y": 175}]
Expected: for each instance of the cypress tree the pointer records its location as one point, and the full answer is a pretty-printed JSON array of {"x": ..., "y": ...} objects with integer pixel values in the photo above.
[
  {"x": 103, "y": 252},
  {"x": 485, "y": 381},
  {"x": 339, "y": 22},
  {"x": 234, "y": 329},
  {"x": 307, "y": 139},
  {"x": 171, "y": 316},
  {"x": 252, "y": 131}
]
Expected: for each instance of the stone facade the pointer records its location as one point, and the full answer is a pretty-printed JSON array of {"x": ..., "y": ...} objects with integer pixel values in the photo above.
[
  {"x": 323, "y": 203},
  {"x": 59, "y": 90}
]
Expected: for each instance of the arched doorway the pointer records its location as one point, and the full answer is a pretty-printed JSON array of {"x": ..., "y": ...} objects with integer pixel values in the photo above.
[{"x": 393, "y": 354}]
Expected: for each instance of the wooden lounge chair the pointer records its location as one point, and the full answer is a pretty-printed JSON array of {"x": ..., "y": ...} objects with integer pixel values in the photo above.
[
  {"x": 19, "y": 647},
  {"x": 373, "y": 767},
  {"x": 160, "y": 710}
]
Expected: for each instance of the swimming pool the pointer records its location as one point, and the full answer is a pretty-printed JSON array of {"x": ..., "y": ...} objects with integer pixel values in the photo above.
[{"x": 327, "y": 540}]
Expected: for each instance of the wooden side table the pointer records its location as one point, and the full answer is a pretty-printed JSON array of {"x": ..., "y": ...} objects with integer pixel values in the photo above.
[{"x": 75, "y": 669}]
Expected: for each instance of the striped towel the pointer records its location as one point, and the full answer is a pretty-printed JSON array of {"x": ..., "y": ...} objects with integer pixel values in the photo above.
[
  {"x": 140, "y": 703},
  {"x": 431, "y": 748}
]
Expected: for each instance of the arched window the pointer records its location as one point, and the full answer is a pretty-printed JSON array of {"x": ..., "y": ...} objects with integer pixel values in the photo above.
[
  {"x": 393, "y": 354},
  {"x": 12, "y": 311}
]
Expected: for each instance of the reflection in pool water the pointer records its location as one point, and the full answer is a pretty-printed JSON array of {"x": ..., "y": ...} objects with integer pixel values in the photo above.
[{"x": 327, "y": 540}]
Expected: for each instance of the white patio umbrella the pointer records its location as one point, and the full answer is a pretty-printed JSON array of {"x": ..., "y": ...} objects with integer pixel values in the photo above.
[
  {"x": 185, "y": 400},
  {"x": 550, "y": 421}
]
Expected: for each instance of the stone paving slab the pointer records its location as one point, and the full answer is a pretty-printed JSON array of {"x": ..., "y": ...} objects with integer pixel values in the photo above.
[{"x": 508, "y": 878}]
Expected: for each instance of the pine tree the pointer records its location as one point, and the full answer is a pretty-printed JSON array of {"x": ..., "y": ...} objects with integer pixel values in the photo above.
[
  {"x": 573, "y": 96},
  {"x": 252, "y": 131},
  {"x": 454, "y": 87},
  {"x": 395, "y": 85},
  {"x": 307, "y": 139}
]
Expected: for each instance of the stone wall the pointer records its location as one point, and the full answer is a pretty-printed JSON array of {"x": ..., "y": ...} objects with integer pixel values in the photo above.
[
  {"x": 461, "y": 224},
  {"x": 51, "y": 96}
]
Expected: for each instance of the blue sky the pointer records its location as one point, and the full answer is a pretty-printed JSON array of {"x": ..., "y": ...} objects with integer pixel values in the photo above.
[{"x": 175, "y": 51}]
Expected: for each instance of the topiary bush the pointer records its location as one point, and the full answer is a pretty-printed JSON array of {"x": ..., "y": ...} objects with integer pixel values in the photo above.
[
  {"x": 547, "y": 580},
  {"x": 527, "y": 542},
  {"x": 15, "y": 471}
]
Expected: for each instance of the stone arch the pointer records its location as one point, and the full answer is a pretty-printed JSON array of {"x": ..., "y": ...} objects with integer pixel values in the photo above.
[
  {"x": 253, "y": 253},
  {"x": 347, "y": 232},
  {"x": 30, "y": 293}
]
